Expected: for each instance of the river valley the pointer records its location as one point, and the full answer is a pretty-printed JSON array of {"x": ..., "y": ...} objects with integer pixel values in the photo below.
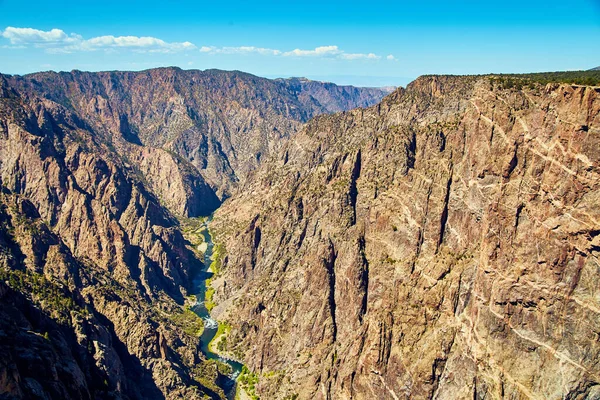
[{"x": 229, "y": 382}]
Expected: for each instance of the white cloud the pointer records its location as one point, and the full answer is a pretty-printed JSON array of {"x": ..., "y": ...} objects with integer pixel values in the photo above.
[
  {"x": 321, "y": 51},
  {"x": 391, "y": 58},
  {"x": 359, "y": 56},
  {"x": 251, "y": 49},
  {"x": 24, "y": 36},
  {"x": 318, "y": 51},
  {"x": 57, "y": 41},
  {"x": 240, "y": 50},
  {"x": 144, "y": 43}
]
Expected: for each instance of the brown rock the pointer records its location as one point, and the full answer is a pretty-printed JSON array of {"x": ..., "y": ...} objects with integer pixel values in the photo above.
[{"x": 438, "y": 245}]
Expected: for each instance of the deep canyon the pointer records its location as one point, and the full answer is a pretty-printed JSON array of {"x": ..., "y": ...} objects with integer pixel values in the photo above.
[{"x": 438, "y": 241}]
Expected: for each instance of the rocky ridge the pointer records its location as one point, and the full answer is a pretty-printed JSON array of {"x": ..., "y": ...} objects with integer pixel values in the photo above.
[
  {"x": 208, "y": 128},
  {"x": 94, "y": 269},
  {"x": 333, "y": 97},
  {"x": 82, "y": 236},
  {"x": 441, "y": 244}
]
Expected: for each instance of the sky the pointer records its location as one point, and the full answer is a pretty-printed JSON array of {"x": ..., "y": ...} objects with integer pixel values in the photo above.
[{"x": 364, "y": 43}]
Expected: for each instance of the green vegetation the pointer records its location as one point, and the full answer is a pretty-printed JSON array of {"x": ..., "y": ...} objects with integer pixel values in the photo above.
[
  {"x": 518, "y": 81},
  {"x": 189, "y": 322},
  {"x": 342, "y": 184},
  {"x": 219, "y": 252},
  {"x": 221, "y": 336},
  {"x": 222, "y": 345},
  {"x": 208, "y": 296},
  {"x": 29, "y": 225},
  {"x": 194, "y": 236},
  {"x": 53, "y": 298},
  {"x": 389, "y": 260},
  {"x": 218, "y": 366},
  {"x": 192, "y": 299},
  {"x": 192, "y": 224},
  {"x": 248, "y": 381},
  {"x": 206, "y": 372}
]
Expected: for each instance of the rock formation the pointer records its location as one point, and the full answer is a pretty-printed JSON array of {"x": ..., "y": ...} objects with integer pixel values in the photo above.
[
  {"x": 215, "y": 126},
  {"x": 94, "y": 269},
  {"x": 442, "y": 244}
]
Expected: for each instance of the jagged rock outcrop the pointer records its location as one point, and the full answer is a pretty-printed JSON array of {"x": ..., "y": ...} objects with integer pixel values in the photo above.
[
  {"x": 94, "y": 259},
  {"x": 442, "y": 244},
  {"x": 216, "y": 126},
  {"x": 94, "y": 167}
]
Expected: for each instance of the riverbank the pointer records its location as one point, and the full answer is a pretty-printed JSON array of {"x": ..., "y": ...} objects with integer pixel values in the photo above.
[{"x": 199, "y": 236}]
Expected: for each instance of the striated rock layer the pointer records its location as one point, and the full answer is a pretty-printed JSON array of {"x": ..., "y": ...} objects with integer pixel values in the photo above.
[
  {"x": 94, "y": 269},
  {"x": 207, "y": 128},
  {"x": 441, "y": 244}
]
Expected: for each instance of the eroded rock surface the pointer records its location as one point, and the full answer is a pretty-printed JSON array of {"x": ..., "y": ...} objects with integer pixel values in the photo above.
[
  {"x": 441, "y": 244},
  {"x": 216, "y": 126},
  {"x": 95, "y": 261},
  {"x": 94, "y": 169}
]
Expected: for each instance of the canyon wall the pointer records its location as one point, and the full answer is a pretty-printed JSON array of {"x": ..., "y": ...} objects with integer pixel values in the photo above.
[
  {"x": 442, "y": 244},
  {"x": 95, "y": 169},
  {"x": 207, "y": 127}
]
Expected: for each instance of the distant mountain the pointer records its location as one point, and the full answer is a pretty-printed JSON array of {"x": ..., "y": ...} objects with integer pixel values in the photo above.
[
  {"x": 94, "y": 269},
  {"x": 333, "y": 97},
  {"x": 210, "y": 127},
  {"x": 595, "y": 69}
]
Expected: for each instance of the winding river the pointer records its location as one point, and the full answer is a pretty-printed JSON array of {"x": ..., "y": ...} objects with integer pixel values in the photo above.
[{"x": 227, "y": 383}]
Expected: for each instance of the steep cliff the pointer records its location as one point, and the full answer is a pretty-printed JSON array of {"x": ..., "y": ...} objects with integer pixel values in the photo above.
[
  {"x": 92, "y": 260},
  {"x": 215, "y": 126},
  {"x": 441, "y": 244},
  {"x": 94, "y": 269}
]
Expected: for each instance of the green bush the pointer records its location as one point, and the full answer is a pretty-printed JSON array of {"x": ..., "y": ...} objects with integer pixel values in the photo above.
[
  {"x": 208, "y": 297},
  {"x": 51, "y": 297},
  {"x": 248, "y": 380},
  {"x": 219, "y": 252},
  {"x": 189, "y": 322},
  {"x": 519, "y": 81}
]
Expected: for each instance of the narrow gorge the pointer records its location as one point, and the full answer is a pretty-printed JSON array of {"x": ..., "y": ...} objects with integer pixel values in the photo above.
[
  {"x": 100, "y": 173},
  {"x": 172, "y": 234},
  {"x": 212, "y": 333}
]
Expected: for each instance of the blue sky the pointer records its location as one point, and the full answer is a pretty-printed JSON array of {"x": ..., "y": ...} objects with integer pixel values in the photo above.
[{"x": 349, "y": 42}]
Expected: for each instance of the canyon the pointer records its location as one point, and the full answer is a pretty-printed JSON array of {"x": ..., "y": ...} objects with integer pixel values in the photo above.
[
  {"x": 98, "y": 172},
  {"x": 437, "y": 242}
]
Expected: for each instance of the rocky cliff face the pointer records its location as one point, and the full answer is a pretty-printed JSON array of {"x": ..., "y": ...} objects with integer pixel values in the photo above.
[
  {"x": 215, "y": 126},
  {"x": 93, "y": 265},
  {"x": 441, "y": 244},
  {"x": 92, "y": 261}
]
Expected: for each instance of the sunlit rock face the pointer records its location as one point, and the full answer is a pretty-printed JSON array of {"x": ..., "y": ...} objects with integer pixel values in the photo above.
[
  {"x": 95, "y": 168},
  {"x": 205, "y": 129},
  {"x": 441, "y": 244}
]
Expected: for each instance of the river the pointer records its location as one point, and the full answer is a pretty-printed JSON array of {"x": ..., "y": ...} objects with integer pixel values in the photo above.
[{"x": 227, "y": 383}]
